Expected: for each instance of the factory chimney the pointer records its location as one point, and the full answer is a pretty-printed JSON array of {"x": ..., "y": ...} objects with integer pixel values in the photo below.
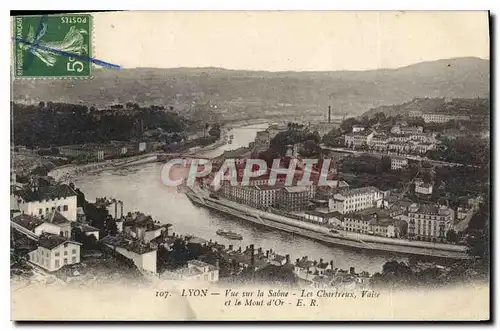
[{"x": 329, "y": 114}]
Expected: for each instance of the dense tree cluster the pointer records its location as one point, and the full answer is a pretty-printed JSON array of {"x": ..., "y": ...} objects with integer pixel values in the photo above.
[
  {"x": 56, "y": 124},
  {"x": 297, "y": 133},
  {"x": 465, "y": 150}
]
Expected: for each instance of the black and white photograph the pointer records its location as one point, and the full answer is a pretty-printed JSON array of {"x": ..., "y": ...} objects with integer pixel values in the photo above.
[{"x": 250, "y": 166}]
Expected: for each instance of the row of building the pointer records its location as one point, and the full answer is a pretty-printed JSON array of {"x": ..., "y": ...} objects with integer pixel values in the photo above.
[
  {"x": 438, "y": 117},
  {"x": 100, "y": 152},
  {"x": 416, "y": 143}
]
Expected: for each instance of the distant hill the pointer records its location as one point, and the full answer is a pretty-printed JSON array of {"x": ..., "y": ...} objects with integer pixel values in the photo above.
[{"x": 237, "y": 94}]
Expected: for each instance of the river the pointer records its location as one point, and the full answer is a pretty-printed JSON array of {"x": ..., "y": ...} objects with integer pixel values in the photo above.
[{"x": 141, "y": 189}]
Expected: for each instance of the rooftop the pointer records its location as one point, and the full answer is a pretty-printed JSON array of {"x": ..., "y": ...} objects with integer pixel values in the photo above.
[
  {"x": 201, "y": 264},
  {"x": 56, "y": 217},
  {"x": 356, "y": 191},
  {"x": 46, "y": 193},
  {"x": 296, "y": 189},
  {"x": 324, "y": 213},
  {"x": 27, "y": 221},
  {"x": 51, "y": 241},
  {"x": 84, "y": 227},
  {"x": 129, "y": 244}
]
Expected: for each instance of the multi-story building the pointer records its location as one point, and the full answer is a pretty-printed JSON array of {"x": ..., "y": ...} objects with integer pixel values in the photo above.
[
  {"x": 429, "y": 222},
  {"x": 415, "y": 113},
  {"x": 379, "y": 142},
  {"x": 399, "y": 138},
  {"x": 398, "y": 162},
  {"x": 54, "y": 252},
  {"x": 358, "y": 139},
  {"x": 142, "y": 227},
  {"x": 423, "y": 188},
  {"x": 438, "y": 117},
  {"x": 374, "y": 222},
  {"x": 413, "y": 147},
  {"x": 424, "y": 137},
  {"x": 406, "y": 130},
  {"x": 258, "y": 196},
  {"x": 358, "y": 128},
  {"x": 356, "y": 199},
  {"x": 399, "y": 147},
  {"x": 327, "y": 192},
  {"x": 143, "y": 256},
  {"x": 443, "y": 118},
  {"x": 40, "y": 201},
  {"x": 295, "y": 198},
  {"x": 262, "y": 141}
]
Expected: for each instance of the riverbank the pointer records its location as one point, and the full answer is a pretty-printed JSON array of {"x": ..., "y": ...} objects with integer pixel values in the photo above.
[{"x": 316, "y": 233}]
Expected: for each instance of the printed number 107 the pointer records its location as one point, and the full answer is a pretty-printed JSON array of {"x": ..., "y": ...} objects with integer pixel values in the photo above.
[{"x": 73, "y": 65}]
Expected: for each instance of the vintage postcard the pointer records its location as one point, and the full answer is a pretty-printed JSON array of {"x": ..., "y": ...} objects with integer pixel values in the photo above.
[{"x": 250, "y": 166}]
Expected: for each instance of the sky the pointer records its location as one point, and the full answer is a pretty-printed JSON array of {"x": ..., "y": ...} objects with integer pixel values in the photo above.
[{"x": 282, "y": 41}]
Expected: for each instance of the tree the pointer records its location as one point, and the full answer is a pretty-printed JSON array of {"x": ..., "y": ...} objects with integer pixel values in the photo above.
[
  {"x": 385, "y": 163},
  {"x": 451, "y": 236},
  {"x": 215, "y": 130}
]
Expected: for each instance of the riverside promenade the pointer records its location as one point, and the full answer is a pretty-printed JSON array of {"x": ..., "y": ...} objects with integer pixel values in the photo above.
[{"x": 322, "y": 234}]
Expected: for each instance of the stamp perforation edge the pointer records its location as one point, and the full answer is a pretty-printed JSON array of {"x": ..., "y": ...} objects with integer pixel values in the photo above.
[{"x": 91, "y": 52}]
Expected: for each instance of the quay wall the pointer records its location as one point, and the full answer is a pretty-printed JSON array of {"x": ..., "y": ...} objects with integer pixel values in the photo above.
[{"x": 305, "y": 231}]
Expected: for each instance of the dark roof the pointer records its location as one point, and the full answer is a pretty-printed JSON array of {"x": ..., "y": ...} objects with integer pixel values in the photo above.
[
  {"x": 51, "y": 241},
  {"x": 279, "y": 258},
  {"x": 46, "y": 193},
  {"x": 324, "y": 213},
  {"x": 129, "y": 244},
  {"x": 84, "y": 227},
  {"x": 56, "y": 217},
  {"x": 27, "y": 221},
  {"x": 138, "y": 220}
]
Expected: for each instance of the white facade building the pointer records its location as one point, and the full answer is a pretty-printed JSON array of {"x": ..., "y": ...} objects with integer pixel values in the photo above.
[
  {"x": 54, "y": 252},
  {"x": 443, "y": 118},
  {"x": 358, "y": 128},
  {"x": 358, "y": 139},
  {"x": 142, "y": 255},
  {"x": 356, "y": 199},
  {"x": 398, "y": 162},
  {"x": 429, "y": 222},
  {"x": 40, "y": 201}
]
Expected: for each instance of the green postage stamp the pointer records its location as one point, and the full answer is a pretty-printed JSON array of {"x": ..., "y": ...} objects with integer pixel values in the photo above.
[{"x": 55, "y": 46}]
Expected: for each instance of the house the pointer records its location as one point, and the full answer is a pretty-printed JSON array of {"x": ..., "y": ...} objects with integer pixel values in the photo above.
[
  {"x": 54, "y": 252},
  {"x": 40, "y": 201},
  {"x": 303, "y": 268},
  {"x": 280, "y": 260},
  {"x": 196, "y": 271},
  {"x": 56, "y": 218},
  {"x": 423, "y": 188},
  {"x": 35, "y": 225},
  {"x": 86, "y": 229},
  {"x": 143, "y": 256},
  {"x": 142, "y": 227}
]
